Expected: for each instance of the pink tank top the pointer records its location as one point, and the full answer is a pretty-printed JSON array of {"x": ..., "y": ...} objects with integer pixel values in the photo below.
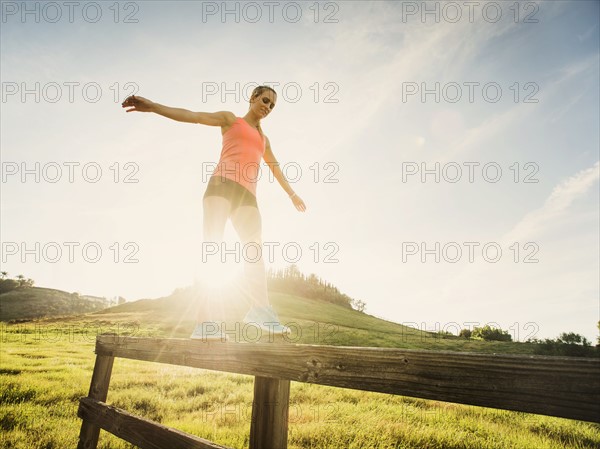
[{"x": 243, "y": 147}]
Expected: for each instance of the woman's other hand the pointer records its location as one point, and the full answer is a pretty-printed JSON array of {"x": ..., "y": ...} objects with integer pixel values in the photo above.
[
  {"x": 139, "y": 104},
  {"x": 298, "y": 203}
]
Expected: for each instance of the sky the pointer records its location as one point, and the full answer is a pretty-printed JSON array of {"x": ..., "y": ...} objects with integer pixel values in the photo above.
[{"x": 447, "y": 152}]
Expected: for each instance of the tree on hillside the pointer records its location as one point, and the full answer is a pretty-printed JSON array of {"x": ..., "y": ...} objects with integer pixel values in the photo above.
[
  {"x": 24, "y": 283},
  {"x": 7, "y": 285},
  {"x": 290, "y": 280},
  {"x": 359, "y": 305},
  {"x": 489, "y": 333},
  {"x": 567, "y": 343},
  {"x": 573, "y": 338},
  {"x": 465, "y": 333},
  {"x": 293, "y": 271}
]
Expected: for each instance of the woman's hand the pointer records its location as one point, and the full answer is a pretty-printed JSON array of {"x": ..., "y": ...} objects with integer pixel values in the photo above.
[
  {"x": 139, "y": 104},
  {"x": 298, "y": 202}
]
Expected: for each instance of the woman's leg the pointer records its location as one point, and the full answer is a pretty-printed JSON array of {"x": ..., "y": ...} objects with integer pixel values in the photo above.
[
  {"x": 216, "y": 212},
  {"x": 247, "y": 222}
]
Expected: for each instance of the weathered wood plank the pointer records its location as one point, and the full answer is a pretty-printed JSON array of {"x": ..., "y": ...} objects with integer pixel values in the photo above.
[
  {"x": 269, "y": 427},
  {"x": 89, "y": 433},
  {"x": 557, "y": 386},
  {"x": 138, "y": 431}
]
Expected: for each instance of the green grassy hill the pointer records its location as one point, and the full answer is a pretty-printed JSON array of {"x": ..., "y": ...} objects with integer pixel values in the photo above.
[
  {"x": 36, "y": 302},
  {"x": 312, "y": 322}
]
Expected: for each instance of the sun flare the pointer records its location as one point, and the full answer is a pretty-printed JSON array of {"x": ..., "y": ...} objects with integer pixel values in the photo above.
[{"x": 217, "y": 274}]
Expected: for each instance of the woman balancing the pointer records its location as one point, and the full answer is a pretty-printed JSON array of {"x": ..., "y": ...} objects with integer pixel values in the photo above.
[{"x": 231, "y": 193}]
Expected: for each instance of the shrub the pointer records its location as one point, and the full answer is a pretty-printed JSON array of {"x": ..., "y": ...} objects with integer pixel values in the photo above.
[
  {"x": 465, "y": 333},
  {"x": 566, "y": 344},
  {"x": 7, "y": 285},
  {"x": 489, "y": 333}
]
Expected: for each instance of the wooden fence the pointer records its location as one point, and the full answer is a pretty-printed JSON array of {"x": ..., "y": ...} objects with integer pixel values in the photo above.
[{"x": 557, "y": 386}]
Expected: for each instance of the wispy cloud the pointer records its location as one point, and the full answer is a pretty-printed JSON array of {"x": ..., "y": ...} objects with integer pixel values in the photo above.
[
  {"x": 587, "y": 33},
  {"x": 531, "y": 227},
  {"x": 419, "y": 52},
  {"x": 557, "y": 204}
]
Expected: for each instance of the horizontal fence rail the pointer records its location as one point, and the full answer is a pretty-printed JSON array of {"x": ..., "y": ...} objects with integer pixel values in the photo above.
[
  {"x": 139, "y": 431},
  {"x": 566, "y": 387}
]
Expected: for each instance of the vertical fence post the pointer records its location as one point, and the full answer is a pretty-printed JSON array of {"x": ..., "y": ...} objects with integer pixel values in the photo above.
[
  {"x": 269, "y": 426},
  {"x": 88, "y": 436}
]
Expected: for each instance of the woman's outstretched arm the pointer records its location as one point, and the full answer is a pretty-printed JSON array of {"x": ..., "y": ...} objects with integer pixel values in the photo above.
[
  {"x": 271, "y": 161},
  {"x": 141, "y": 104}
]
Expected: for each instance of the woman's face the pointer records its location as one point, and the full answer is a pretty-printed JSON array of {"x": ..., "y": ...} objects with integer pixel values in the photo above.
[{"x": 264, "y": 103}]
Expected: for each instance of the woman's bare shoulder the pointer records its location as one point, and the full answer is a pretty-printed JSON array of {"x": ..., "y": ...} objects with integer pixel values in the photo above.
[
  {"x": 228, "y": 118},
  {"x": 220, "y": 118}
]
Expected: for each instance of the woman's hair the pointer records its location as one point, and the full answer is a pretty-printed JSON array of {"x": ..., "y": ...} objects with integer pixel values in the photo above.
[{"x": 258, "y": 90}]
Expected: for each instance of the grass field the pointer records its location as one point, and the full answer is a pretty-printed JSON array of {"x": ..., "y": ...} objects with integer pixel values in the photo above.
[{"x": 46, "y": 366}]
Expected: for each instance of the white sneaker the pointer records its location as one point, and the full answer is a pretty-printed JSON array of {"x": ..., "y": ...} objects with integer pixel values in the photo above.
[
  {"x": 208, "y": 331},
  {"x": 267, "y": 319}
]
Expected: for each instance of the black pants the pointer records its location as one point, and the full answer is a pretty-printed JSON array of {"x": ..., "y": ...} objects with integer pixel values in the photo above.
[{"x": 237, "y": 194}]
